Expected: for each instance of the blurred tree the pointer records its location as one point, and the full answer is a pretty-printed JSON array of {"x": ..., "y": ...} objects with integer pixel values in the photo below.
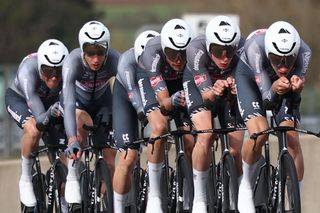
[{"x": 27, "y": 23}]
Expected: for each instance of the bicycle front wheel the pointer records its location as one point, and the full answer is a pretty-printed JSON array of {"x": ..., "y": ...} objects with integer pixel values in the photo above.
[
  {"x": 229, "y": 185},
  {"x": 288, "y": 199},
  {"x": 103, "y": 188},
  {"x": 185, "y": 190}
]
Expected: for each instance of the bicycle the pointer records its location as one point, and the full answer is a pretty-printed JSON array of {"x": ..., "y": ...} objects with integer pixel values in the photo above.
[
  {"x": 223, "y": 184},
  {"x": 49, "y": 188},
  {"x": 282, "y": 183},
  {"x": 96, "y": 184},
  {"x": 137, "y": 195},
  {"x": 166, "y": 179}
]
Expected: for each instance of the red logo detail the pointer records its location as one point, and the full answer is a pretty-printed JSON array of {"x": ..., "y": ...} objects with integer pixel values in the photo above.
[
  {"x": 198, "y": 79},
  {"x": 155, "y": 80},
  {"x": 260, "y": 31},
  {"x": 258, "y": 79},
  {"x": 130, "y": 95}
]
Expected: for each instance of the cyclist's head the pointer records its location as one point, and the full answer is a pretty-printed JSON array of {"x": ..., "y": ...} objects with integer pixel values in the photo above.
[
  {"x": 176, "y": 34},
  {"x": 141, "y": 42},
  {"x": 51, "y": 55},
  {"x": 282, "y": 44},
  {"x": 222, "y": 37},
  {"x": 94, "y": 33}
]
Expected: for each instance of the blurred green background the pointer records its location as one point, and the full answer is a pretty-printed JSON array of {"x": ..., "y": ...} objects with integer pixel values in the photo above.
[{"x": 24, "y": 24}]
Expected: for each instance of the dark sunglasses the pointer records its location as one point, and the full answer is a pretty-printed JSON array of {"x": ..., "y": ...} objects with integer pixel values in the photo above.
[
  {"x": 282, "y": 61},
  {"x": 174, "y": 55},
  {"x": 50, "y": 72},
  {"x": 222, "y": 50}
]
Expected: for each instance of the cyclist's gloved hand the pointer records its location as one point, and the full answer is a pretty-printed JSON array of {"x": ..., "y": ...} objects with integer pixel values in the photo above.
[
  {"x": 55, "y": 110},
  {"x": 142, "y": 118},
  {"x": 73, "y": 151},
  {"x": 178, "y": 99}
]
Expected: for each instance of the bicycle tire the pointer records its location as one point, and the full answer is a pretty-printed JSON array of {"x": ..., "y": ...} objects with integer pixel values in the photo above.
[
  {"x": 61, "y": 172},
  {"x": 164, "y": 190},
  {"x": 184, "y": 179},
  {"x": 39, "y": 187},
  {"x": 132, "y": 206},
  {"x": 230, "y": 185},
  {"x": 103, "y": 201},
  {"x": 260, "y": 186},
  {"x": 213, "y": 187},
  {"x": 143, "y": 194},
  {"x": 84, "y": 190},
  {"x": 288, "y": 199}
]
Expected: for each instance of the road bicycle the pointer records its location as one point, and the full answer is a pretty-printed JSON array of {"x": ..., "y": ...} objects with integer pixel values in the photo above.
[
  {"x": 167, "y": 174},
  {"x": 96, "y": 183},
  {"x": 137, "y": 195},
  {"x": 223, "y": 182},
  {"x": 49, "y": 188},
  {"x": 281, "y": 183}
]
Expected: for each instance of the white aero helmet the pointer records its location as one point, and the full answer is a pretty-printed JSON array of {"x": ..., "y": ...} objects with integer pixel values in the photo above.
[
  {"x": 282, "y": 39},
  {"x": 141, "y": 42},
  {"x": 94, "y": 32},
  {"x": 176, "y": 34},
  {"x": 222, "y": 30},
  {"x": 52, "y": 53}
]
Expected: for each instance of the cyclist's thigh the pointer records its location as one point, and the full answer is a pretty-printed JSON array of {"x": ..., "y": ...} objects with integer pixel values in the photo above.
[
  {"x": 125, "y": 123},
  {"x": 17, "y": 107},
  {"x": 285, "y": 114},
  {"x": 249, "y": 96}
]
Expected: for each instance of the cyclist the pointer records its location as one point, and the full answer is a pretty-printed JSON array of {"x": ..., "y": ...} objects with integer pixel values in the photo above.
[
  {"x": 164, "y": 60},
  {"x": 128, "y": 105},
  {"x": 274, "y": 63},
  {"x": 212, "y": 60},
  {"x": 33, "y": 99},
  {"x": 87, "y": 97}
]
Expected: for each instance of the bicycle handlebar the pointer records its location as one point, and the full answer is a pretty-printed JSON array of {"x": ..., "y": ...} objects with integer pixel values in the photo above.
[
  {"x": 254, "y": 136},
  {"x": 189, "y": 132}
]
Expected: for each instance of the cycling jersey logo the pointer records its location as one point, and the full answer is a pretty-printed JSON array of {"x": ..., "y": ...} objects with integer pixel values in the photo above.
[
  {"x": 125, "y": 138},
  {"x": 155, "y": 80},
  {"x": 155, "y": 63},
  {"x": 255, "y": 105},
  {"x": 197, "y": 60},
  {"x": 142, "y": 93},
  {"x": 187, "y": 95},
  {"x": 199, "y": 79}
]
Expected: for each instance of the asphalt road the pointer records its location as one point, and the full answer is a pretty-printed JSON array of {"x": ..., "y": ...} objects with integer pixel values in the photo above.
[{"x": 10, "y": 173}]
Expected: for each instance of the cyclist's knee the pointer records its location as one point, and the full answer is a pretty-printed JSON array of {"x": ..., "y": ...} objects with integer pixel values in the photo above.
[
  {"x": 31, "y": 130},
  {"x": 204, "y": 142},
  {"x": 127, "y": 163},
  {"x": 235, "y": 152},
  {"x": 159, "y": 128}
]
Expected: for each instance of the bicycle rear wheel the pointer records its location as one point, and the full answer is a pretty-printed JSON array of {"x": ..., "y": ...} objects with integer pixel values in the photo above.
[
  {"x": 288, "y": 199},
  {"x": 103, "y": 188},
  {"x": 229, "y": 185},
  {"x": 184, "y": 185}
]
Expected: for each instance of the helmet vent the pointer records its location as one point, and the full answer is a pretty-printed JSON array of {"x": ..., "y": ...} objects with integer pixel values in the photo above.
[
  {"x": 52, "y": 43},
  {"x": 150, "y": 35},
  {"x": 224, "y": 23},
  {"x": 284, "y": 31},
  {"x": 178, "y": 26}
]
